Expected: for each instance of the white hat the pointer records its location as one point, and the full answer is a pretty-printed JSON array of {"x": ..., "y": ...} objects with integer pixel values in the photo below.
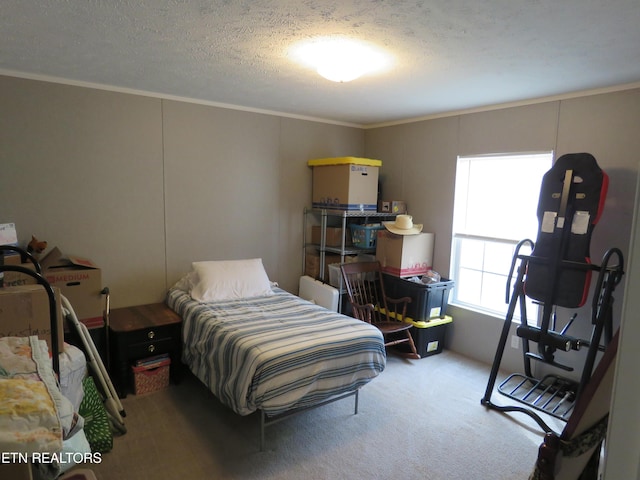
[{"x": 403, "y": 226}]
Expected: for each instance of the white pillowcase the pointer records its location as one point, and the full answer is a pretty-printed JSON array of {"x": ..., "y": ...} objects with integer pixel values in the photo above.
[{"x": 230, "y": 279}]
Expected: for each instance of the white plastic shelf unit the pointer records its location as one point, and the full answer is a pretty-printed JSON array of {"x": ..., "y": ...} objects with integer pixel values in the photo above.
[{"x": 342, "y": 219}]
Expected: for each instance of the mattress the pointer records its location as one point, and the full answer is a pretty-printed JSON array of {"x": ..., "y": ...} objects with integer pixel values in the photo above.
[{"x": 277, "y": 352}]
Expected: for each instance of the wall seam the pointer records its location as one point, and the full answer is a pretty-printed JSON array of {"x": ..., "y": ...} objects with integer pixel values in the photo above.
[
  {"x": 555, "y": 143},
  {"x": 164, "y": 195}
]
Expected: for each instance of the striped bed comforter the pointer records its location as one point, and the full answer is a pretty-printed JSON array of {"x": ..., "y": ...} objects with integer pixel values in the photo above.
[{"x": 276, "y": 352}]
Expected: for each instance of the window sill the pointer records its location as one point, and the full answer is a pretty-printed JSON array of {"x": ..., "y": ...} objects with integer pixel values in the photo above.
[{"x": 480, "y": 311}]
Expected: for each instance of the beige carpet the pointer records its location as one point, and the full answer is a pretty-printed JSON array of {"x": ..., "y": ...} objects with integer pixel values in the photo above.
[{"x": 419, "y": 419}]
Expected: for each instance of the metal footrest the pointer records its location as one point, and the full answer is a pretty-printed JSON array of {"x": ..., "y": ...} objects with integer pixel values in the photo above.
[{"x": 553, "y": 395}]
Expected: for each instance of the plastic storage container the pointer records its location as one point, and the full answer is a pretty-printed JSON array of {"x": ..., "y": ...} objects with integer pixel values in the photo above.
[
  {"x": 335, "y": 275},
  {"x": 427, "y": 300},
  {"x": 429, "y": 339},
  {"x": 364, "y": 236}
]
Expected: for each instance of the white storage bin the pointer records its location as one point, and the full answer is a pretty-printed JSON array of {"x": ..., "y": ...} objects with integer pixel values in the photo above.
[{"x": 335, "y": 275}]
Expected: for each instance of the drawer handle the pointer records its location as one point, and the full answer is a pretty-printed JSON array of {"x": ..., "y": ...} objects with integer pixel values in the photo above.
[
  {"x": 151, "y": 348},
  {"x": 151, "y": 334}
]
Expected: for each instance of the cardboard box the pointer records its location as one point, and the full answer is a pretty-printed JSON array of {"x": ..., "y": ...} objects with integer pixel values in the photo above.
[
  {"x": 392, "y": 206},
  {"x": 405, "y": 255},
  {"x": 79, "y": 279},
  {"x": 16, "y": 471},
  {"x": 24, "y": 311},
  {"x": 345, "y": 183},
  {"x": 312, "y": 264},
  {"x": 333, "y": 236},
  {"x": 15, "y": 279}
]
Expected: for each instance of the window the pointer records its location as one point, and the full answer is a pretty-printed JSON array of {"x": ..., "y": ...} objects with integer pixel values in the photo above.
[{"x": 496, "y": 199}]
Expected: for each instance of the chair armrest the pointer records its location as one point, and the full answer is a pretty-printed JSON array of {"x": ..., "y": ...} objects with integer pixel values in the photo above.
[{"x": 363, "y": 312}]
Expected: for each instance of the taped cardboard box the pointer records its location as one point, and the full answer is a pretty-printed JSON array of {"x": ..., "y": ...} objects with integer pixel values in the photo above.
[
  {"x": 345, "y": 183},
  {"x": 312, "y": 264},
  {"x": 333, "y": 236},
  {"x": 79, "y": 279},
  {"x": 392, "y": 206},
  {"x": 16, "y": 471},
  {"x": 24, "y": 311},
  {"x": 405, "y": 255},
  {"x": 15, "y": 279}
]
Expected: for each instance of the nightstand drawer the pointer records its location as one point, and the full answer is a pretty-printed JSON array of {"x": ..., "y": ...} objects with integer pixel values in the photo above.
[
  {"x": 152, "y": 334},
  {"x": 152, "y": 347}
]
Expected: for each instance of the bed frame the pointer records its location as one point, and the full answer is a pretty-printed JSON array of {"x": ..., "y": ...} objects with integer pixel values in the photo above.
[{"x": 266, "y": 420}]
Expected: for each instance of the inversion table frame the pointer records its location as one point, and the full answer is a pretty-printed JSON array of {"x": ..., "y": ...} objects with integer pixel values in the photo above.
[{"x": 555, "y": 395}]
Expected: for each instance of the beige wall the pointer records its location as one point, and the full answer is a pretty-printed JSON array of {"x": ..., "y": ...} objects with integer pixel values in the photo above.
[
  {"x": 221, "y": 186},
  {"x": 144, "y": 186},
  {"x": 419, "y": 167},
  {"x": 83, "y": 170}
]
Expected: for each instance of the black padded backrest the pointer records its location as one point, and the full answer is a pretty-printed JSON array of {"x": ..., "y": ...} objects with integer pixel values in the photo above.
[{"x": 571, "y": 200}]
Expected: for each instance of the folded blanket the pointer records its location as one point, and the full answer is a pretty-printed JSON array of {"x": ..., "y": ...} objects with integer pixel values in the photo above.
[{"x": 34, "y": 415}]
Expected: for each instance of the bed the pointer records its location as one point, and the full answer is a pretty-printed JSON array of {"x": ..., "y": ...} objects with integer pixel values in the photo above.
[{"x": 258, "y": 347}]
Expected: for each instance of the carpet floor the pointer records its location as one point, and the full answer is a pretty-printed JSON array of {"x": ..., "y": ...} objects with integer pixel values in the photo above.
[{"x": 419, "y": 419}]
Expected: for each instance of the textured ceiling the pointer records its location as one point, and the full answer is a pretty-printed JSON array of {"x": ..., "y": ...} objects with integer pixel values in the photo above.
[{"x": 449, "y": 54}]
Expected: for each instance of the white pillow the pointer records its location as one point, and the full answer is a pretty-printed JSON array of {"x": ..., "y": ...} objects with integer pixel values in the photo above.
[{"x": 230, "y": 279}]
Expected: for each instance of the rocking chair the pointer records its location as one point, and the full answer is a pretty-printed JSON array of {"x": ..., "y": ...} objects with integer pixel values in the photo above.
[{"x": 370, "y": 304}]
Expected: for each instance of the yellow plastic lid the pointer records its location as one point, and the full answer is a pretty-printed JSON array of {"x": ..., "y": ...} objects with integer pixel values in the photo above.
[
  {"x": 323, "y": 162},
  {"x": 432, "y": 322}
]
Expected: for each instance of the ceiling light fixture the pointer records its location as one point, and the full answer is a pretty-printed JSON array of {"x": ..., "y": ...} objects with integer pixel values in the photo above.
[{"x": 341, "y": 59}]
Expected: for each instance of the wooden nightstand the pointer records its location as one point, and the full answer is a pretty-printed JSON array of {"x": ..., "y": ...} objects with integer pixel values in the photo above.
[{"x": 139, "y": 332}]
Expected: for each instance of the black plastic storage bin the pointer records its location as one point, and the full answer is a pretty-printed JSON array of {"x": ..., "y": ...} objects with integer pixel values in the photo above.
[
  {"x": 430, "y": 340},
  {"x": 427, "y": 300}
]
